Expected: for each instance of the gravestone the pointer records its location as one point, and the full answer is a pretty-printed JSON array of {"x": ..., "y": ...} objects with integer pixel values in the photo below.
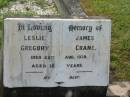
[{"x": 49, "y": 55}]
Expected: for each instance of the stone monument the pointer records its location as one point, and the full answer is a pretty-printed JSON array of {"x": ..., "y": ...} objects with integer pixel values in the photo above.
[{"x": 56, "y": 54}]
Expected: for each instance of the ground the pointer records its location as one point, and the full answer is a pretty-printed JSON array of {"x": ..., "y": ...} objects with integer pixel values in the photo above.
[{"x": 119, "y": 12}]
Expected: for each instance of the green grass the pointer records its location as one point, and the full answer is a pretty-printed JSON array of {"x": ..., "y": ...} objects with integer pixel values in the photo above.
[
  {"x": 119, "y": 12},
  {"x": 5, "y": 2}
]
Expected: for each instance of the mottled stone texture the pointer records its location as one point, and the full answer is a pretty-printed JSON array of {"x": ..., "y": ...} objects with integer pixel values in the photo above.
[{"x": 70, "y": 7}]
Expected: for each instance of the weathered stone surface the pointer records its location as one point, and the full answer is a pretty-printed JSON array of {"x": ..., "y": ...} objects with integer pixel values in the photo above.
[
  {"x": 119, "y": 89},
  {"x": 75, "y": 48},
  {"x": 70, "y": 7}
]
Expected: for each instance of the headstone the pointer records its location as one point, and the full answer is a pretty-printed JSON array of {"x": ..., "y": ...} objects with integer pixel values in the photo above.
[{"x": 51, "y": 52}]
